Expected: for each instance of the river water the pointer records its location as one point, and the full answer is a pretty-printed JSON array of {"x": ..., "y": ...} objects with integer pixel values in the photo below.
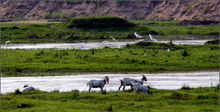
[
  {"x": 73, "y": 81},
  {"x": 92, "y": 45}
]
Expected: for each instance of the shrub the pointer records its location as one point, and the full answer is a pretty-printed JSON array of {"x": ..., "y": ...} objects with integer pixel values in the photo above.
[
  {"x": 127, "y": 45},
  {"x": 185, "y": 53},
  {"x": 185, "y": 87},
  {"x": 180, "y": 96},
  {"x": 32, "y": 36},
  {"x": 143, "y": 29},
  {"x": 23, "y": 105},
  {"x": 104, "y": 92},
  {"x": 17, "y": 91},
  {"x": 218, "y": 86},
  {"x": 144, "y": 43},
  {"x": 216, "y": 41},
  {"x": 153, "y": 32},
  {"x": 97, "y": 22},
  {"x": 93, "y": 52},
  {"x": 109, "y": 108},
  {"x": 75, "y": 94}
]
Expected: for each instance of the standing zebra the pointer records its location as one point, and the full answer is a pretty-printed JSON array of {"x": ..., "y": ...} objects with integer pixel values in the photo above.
[{"x": 98, "y": 83}]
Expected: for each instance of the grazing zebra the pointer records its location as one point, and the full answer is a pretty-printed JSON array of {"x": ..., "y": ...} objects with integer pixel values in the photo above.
[
  {"x": 127, "y": 82},
  {"x": 138, "y": 86}
]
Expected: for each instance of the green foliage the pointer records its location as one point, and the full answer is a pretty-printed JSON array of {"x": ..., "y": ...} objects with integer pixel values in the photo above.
[
  {"x": 195, "y": 99},
  {"x": 180, "y": 96},
  {"x": 218, "y": 86},
  {"x": 97, "y": 22},
  {"x": 185, "y": 88},
  {"x": 139, "y": 57},
  {"x": 58, "y": 32},
  {"x": 17, "y": 91},
  {"x": 185, "y": 53}
]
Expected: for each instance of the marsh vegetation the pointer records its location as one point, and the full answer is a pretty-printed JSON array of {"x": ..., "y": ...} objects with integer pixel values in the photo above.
[
  {"x": 185, "y": 99},
  {"x": 139, "y": 57},
  {"x": 80, "y": 29}
]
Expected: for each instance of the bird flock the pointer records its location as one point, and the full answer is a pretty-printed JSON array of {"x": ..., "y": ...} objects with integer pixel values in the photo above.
[{"x": 136, "y": 35}]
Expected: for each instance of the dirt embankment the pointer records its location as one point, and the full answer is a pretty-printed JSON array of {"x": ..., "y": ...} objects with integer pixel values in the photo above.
[{"x": 198, "y": 10}]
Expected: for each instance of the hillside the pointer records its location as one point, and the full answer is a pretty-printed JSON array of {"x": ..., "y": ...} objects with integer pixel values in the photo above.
[{"x": 146, "y": 9}]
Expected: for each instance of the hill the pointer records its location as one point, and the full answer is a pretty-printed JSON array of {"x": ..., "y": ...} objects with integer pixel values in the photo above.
[{"x": 141, "y": 9}]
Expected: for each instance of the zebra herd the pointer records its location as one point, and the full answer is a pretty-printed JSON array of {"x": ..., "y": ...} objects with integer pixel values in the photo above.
[
  {"x": 136, "y": 84},
  {"x": 133, "y": 83}
]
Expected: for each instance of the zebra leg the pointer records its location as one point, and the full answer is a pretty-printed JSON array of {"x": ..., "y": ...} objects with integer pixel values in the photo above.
[
  {"x": 132, "y": 87},
  {"x": 150, "y": 93},
  {"x": 90, "y": 88},
  {"x": 143, "y": 92},
  {"x": 124, "y": 88},
  {"x": 135, "y": 90},
  {"x": 119, "y": 87},
  {"x": 101, "y": 88}
]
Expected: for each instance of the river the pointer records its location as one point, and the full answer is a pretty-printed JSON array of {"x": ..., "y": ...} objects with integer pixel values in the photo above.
[
  {"x": 78, "y": 81},
  {"x": 92, "y": 45}
]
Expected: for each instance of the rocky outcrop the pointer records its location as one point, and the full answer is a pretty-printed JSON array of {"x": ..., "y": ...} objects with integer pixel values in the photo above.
[{"x": 197, "y": 10}]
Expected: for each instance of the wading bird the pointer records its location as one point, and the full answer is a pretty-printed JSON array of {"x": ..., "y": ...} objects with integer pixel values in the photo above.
[
  {"x": 153, "y": 39},
  {"x": 113, "y": 39},
  {"x": 168, "y": 49},
  {"x": 7, "y": 42},
  {"x": 137, "y": 35},
  {"x": 28, "y": 88}
]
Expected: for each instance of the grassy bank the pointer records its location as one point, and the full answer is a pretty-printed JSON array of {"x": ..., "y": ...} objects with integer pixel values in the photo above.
[
  {"x": 196, "y": 99},
  {"x": 140, "y": 57},
  {"x": 70, "y": 32}
]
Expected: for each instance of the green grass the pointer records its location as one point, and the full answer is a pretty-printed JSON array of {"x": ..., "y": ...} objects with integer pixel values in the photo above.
[
  {"x": 140, "y": 57},
  {"x": 193, "y": 99},
  {"x": 59, "y": 32}
]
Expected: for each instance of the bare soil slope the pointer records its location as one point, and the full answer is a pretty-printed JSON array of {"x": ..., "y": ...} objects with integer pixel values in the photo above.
[{"x": 146, "y": 9}]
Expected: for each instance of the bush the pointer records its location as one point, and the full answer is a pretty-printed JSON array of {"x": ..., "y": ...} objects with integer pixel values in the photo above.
[
  {"x": 185, "y": 87},
  {"x": 153, "y": 32},
  {"x": 97, "y": 22},
  {"x": 185, "y": 53},
  {"x": 93, "y": 52},
  {"x": 23, "y": 105},
  {"x": 32, "y": 36},
  {"x": 17, "y": 91},
  {"x": 218, "y": 86},
  {"x": 109, "y": 108},
  {"x": 216, "y": 41},
  {"x": 76, "y": 94},
  {"x": 145, "y": 43},
  {"x": 180, "y": 96},
  {"x": 104, "y": 92}
]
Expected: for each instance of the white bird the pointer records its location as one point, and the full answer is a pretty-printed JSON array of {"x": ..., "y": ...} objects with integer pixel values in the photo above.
[
  {"x": 153, "y": 39},
  {"x": 28, "y": 88},
  {"x": 104, "y": 42},
  {"x": 168, "y": 49},
  {"x": 137, "y": 35},
  {"x": 113, "y": 39},
  {"x": 7, "y": 42}
]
